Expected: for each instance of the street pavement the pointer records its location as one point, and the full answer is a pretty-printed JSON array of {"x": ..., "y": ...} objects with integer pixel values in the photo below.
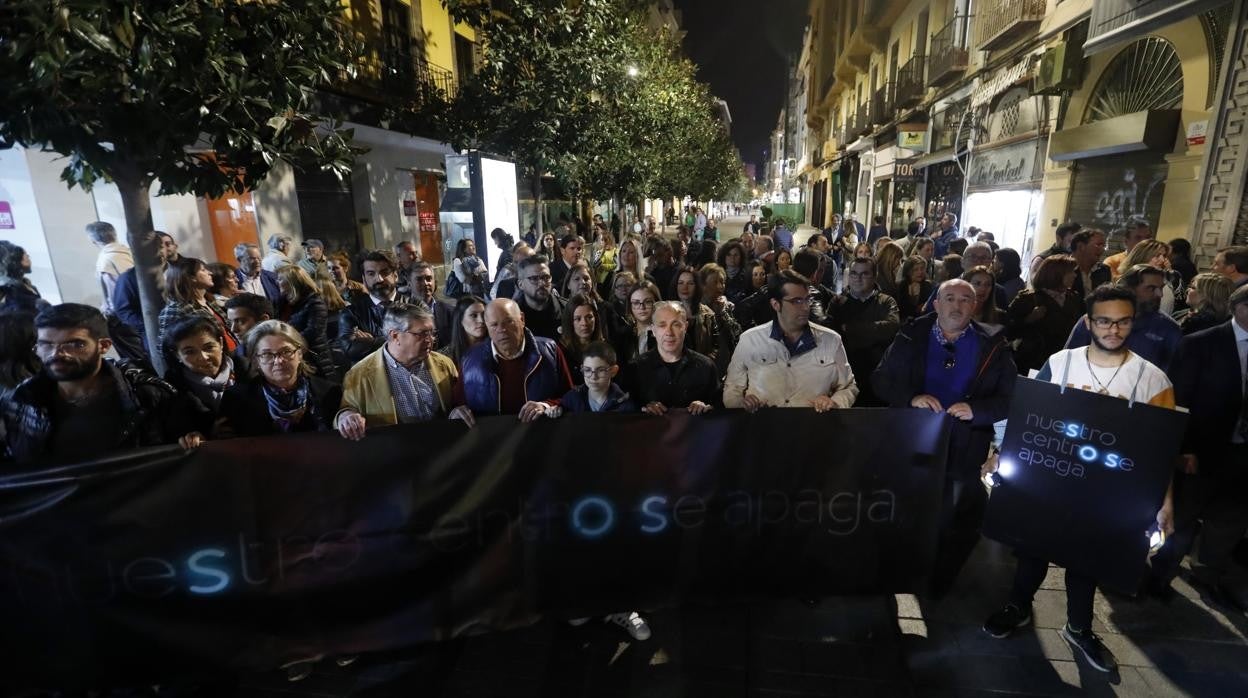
[{"x": 773, "y": 648}]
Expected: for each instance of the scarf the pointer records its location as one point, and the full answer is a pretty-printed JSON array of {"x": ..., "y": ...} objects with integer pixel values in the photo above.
[
  {"x": 287, "y": 407},
  {"x": 209, "y": 389}
]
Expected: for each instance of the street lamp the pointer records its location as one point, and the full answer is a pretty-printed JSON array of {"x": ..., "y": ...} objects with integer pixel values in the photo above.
[{"x": 633, "y": 71}]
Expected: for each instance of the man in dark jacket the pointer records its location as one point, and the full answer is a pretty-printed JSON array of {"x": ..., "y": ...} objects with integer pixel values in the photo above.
[
  {"x": 541, "y": 306},
  {"x": 424, "y": 287},
  {"x": 252, "y": 277},
  {"x": 515, "y": 372},
  {"x": 949, "y": 363},
  {"x": 359, "y": 328},
  {"x": 867, "y": 321},
  {"x": 81, "y": 405},
  {"x": 671, "y": 376},
  {"x": 945, "y": 234},
  {"x": 1087, "y": 246}
]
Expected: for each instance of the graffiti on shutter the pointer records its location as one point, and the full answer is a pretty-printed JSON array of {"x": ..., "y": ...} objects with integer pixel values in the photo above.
[{"x": 1110, "y": 192}]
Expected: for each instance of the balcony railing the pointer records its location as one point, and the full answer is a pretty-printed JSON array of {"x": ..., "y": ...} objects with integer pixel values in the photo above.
[
  {"x": 882, "y": 105},
  {"x": 862, "y": 124},
  {"x": 950, "y": 56},
  {"x": 910, "y": 85},
  {"x": 397, "y": 74},
  {"x": 1002, "y": 21}
]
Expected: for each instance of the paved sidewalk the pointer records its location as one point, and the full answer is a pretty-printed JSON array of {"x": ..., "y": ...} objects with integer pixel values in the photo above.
[{"x": 860, "y": 647}]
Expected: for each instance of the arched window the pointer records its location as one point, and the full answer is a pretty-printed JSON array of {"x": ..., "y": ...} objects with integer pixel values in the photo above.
[{"x": 1145, "y": 75}]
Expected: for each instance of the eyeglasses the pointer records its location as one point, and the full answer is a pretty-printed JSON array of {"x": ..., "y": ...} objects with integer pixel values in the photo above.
[
  {"x": 73, "y": 346},
  {"x": 860, "y": 274},
  {"x": 286, "y": 355},
  {"x": 642, "y": 304},
  {"x": 799, "y": 302},
  {"x": 952, "y": 359},
  {"x": 1104, "y": 323},
  {"x": 539, "y": 279},
  {"x": 596, "y": 372},
  {"x": 423, "y": 335}
]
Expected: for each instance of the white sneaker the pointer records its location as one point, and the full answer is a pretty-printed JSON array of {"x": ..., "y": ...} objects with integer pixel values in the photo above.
[{"x": 632, "y": 621}]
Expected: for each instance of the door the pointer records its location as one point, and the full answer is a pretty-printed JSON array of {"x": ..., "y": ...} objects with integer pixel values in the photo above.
[
  {"x": 232, "y": 219},
  {"x": 327, "y": 210}
]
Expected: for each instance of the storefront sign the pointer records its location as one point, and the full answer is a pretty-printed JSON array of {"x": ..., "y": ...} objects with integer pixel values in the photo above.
[
  {"x": 1196, "y": 132},
  {"x": 6, "y": 216},
  {"x": 915, "y": 139},
  {"x": 409, "y": 207},
  {"x": 1082, "y": 477},
  {"x": 903, "y": 171},
  {"x": 1000, "y": 168}
]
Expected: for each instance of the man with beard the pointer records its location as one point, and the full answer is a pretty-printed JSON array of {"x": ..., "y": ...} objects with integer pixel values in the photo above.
[
  {"x": 252, "y": 276},
  {"x": 424, "y": 286},
  {"x": 82, "y": 405},
  {"x": 948, "y": 363},
  {"x": 673, "y": 377},
  {"x": 541, "y": 306},
  {"x": 867, "y": 321},
  {"x": 359, "y": 329},
  {"x": 1155, "y": 336}
]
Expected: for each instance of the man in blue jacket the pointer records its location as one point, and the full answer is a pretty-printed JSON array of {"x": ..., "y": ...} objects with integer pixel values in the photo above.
[
  {"x": 1154, "y": 335},
  {"x": 252, "y": 276},
  {"x": 515, "y": 372}
]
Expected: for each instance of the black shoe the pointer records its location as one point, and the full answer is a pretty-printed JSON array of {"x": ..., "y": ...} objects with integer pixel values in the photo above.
[
  {"x": 1092, "y": 648},
  {"x": 1006, "y": 621}
]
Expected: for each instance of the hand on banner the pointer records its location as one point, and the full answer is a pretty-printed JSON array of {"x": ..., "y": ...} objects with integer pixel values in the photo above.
[
  {"x": 927, "y": 402},
  {"x": 1190, "y": 464},
  {"x": 463, "y": 413},
  {"x": 1165, "y": 518},
  {"x": 351, "y": 425},
  {"x": 655, "y": 408},
  {"x": 990, "y": 466},
  {"x": 191, "y": 440},
  {"x": 532, "y": 410},
  {"x": 752, "y": 403},
  {"x": 698, "y": 407},
  {"x": 823, "y": 403},
  {"x": 962, "y": 411}
]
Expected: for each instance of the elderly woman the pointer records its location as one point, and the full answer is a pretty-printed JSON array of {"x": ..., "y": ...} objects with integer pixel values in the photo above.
[
  {"x": 284, "y": 396},
  {"x": 1208, "y": 302}
]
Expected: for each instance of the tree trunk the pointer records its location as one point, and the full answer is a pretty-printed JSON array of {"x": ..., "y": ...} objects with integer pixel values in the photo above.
[
  {"x": 140, "y": 233},
  {"x": 537, "y": 201}
]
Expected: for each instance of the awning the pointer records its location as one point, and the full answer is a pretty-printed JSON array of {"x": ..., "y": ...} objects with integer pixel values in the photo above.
[
  {"x": 1154, "y": 130},
  {"x": 935, "y": 158},
  {"x": 1000, "y": 82},
  {"x": 1117, "y": 22}
]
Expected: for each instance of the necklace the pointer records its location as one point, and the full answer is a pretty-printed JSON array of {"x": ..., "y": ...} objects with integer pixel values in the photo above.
[{"x": 1104, "y": 387}]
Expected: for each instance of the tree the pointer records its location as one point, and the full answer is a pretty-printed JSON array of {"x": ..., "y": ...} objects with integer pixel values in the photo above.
[{"x": 203, "y": 96}]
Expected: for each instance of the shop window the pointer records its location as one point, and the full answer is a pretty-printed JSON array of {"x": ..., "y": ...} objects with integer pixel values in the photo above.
[{"x": 1145, "y": 75}]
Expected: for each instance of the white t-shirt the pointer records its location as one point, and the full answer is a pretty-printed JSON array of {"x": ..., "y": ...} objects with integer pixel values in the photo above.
[{"x": 1136, "y": 379}]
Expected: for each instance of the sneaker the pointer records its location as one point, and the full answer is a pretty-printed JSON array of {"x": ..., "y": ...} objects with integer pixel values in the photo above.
[
  {"x": 1006, "y": 621},
  {"x": 1092, "y": 648},
  {"x": 636, "y": 626}
]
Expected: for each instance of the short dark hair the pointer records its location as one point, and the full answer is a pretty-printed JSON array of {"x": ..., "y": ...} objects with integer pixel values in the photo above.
[
  {"x": 531, "y": 261},
  {"x": 418, "y": 266},
  {"x": 776, "y": 283},
  {"x": 258, "y": 306},
  {"x": 1133, "y": 276},
  {"x": 806, "y": 262},
  {"x": 1069, "y": 228},
  {"x": 1084, "y": 236},
  {"x": 878, "y": 220},
  {"x": 1238, "y": 296},
  {"x": 864, "y": 260},
  {"x": 1236, "y": 256},
  {"x": 1180, "y": 247},
  {"x": 73, "y": 316},
  {"x": 381, "y": 256},
  {"x": 1109, "y": 292},
  {"x": 814, "y": 237},
  {"x": 568, "y": 240},
  {"x": 190, "y": 327},
  {"x": 600, "y": 350}
]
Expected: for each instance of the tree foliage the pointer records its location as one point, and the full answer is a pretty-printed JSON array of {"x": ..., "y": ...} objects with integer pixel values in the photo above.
[{"x": 591, "y": 93}]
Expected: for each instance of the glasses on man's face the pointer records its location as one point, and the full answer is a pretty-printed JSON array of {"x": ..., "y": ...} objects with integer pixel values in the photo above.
[
  {"x": 1104, "y": 323},
  {"x": 860, "y": 274},
  {"x": 73, "y": 346},
  {"x": 539, "y": 279},
  {"x": 596, "y": 372},
  {"x": 798, "y": 302},
  {"x": 642, "y": 304},
  {"x": 286, "y": 355},
  {"x": 423, "y": 335}
]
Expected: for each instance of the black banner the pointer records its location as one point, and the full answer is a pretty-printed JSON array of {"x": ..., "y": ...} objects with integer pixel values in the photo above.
[
  {"x": 250, "y": 553},
  {"x": 1082, "y": 478}
]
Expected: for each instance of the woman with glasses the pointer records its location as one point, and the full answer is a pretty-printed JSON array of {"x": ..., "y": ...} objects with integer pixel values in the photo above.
[
  {"x": 580, "y": 326},
  {"x": 638, "y": 339},
  {"x": 284, "y": 396},
  {"x": 1039, "y": 318}
]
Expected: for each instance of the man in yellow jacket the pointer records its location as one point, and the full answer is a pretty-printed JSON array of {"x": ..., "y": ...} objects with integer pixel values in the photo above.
[{"x": 404, "y": 381}]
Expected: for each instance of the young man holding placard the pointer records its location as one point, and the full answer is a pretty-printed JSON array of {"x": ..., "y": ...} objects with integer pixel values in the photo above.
[{"x": 1106, "y": 367}]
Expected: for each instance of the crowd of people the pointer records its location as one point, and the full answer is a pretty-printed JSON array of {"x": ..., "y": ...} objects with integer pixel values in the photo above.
[{"x": 588, "y": 319}]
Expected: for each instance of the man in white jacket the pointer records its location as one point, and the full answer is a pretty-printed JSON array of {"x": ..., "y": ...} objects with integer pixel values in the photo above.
[{"x": 790, "y": 362}]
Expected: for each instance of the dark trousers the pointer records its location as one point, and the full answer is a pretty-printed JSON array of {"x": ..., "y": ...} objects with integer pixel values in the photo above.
[
  {"x": 962, "y": 518},
  {"x": 1079, "y": 590},
  {"x": 1213, "y": 502}
]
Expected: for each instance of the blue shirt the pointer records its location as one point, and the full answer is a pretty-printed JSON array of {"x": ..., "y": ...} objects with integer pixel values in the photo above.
[
  {"x": 804, "y": 343},
  {"x": 950, "y": 365}
]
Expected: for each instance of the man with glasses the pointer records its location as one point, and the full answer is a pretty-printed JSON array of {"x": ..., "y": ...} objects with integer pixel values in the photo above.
[
  {"x": 1154, "y": 336},
  {"x": 671, "y": 376},
  {"x": 789, "y": 362},
  {"x": 82, "y": 405},
  {"x": 1108, "y": 367},
  {"x": 867, "y": 320},
  {"x": 516, "y": 372},
  {"x": 948, "y": 363},
  {"x": 541, "y": 306},
  {"x": 359, "y": 328},
  {"x": 404, "y": 381}
]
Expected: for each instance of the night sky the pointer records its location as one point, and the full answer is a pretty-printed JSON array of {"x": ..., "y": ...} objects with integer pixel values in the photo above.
[{"x": 741, "y": 48}]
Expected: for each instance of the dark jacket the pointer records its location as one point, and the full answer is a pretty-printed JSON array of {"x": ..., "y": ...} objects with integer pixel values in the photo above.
[
  {"x": 867, "y": 328},
  {"x": 942, "y": 242},
  {"x": 693, "y": 378},
  {"x": 126, "y": 305},
  {"x": 311, "y": 318},
  {"x": 548, "y": 319},
  {"x": 246, "y": 412},
  {"x": 1100, "y": 275},
  {"x": 737, "y": 288},
  {"x": 577, "y": 400},
  {"x": 754, "y": 310},
  {"x": 902, "y": 374},
  {"x": 268, "y": 281},
  {"x": 366, "y": 315},
  {"x": 1199, "y": 321},
  {"x": 199, "y": 415},
  {"x": 546, "y": 374},
  {"x": 1208, "y": 381},
  {"x": 151, "y": 416},
  {"x": 1039, "y": 340},
  {"x": 909, "y": 308},
  {"x": 18, "y": 296}
]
